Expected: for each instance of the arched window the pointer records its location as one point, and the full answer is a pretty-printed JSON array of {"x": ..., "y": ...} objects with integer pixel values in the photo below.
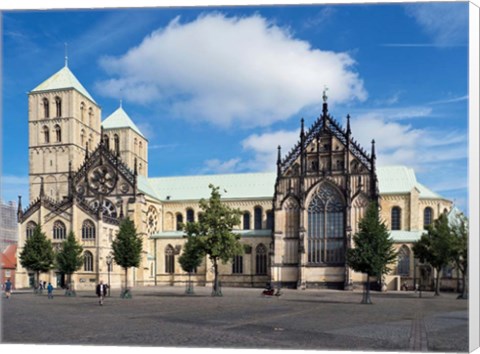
[
  {"x": 82, "y": 138},
  {"x": 237, "y": 265},
  {"x": 261, "y": 260},
  {"x": 403, "y": 266},
  {"x": 59, "y": 231},
  {"x": 106, "y": 141},
  {"x": 46, "y": 108},
  {"x": 87, "y": 262},
  {"x": 88, "y": 230},
  {"x": 427, "y": 217},
  {"x": 90, "y": 142},
  {"x": 291, "y": 231},
  {"x": 325, "y": 227},
  {"x": 269, "y": 220},
  {"x": 179, "y": 220},
  {"x": 58, "y": 105},
  {"x": 116, "y": 140},
  {"x": 82, "y": 112},
  {"x": 246, "y": 220},
  {"x": 258, "y": 218},
  {"x": 46, "y": 134},
  {"x": 58, "y": 133},
  {"x": 190, "y": 215},
  {"x": 90, "y": 116},
  {"x": 169, "y": 260},
  {"x": 396, "y": 218},
  {"x": 140, "y": 167},
  {"x": 30, "y": 229},
  {"x": 140, "y": 145}
]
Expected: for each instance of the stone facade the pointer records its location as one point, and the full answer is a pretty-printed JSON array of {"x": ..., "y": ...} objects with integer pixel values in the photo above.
[{"x": 86, "y": 175}]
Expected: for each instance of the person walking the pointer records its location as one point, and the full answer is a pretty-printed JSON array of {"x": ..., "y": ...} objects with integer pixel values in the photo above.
[
  {"x": 101, "y": 292},
  {"x": 50, "y": 290},
  {"x": 8, "y": 288}
]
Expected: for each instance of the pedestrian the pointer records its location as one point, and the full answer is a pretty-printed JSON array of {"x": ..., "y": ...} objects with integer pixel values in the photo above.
[
  {"x": 44, "y": 284},
  {"x": 50, "y": 290},
  {"x": 8, "y": 288},
  {"x": 101, "y": 292}
]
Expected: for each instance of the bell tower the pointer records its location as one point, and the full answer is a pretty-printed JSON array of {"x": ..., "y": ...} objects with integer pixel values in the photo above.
[{"x": 63, "y": 121}]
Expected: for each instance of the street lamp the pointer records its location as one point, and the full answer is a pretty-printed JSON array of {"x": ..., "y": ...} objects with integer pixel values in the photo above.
[{"x": 109, "y": 263}]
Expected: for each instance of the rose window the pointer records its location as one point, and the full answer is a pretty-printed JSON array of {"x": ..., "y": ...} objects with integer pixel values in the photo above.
[{"x": 102, "y": 179}]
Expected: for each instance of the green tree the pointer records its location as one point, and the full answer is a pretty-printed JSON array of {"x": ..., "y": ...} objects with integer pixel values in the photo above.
[
  {"x": 37, "y": 254},
  {"x": 190, "y": 259},
  {"x": 127, "y": 249},
  {"x": 69, "y": 258},
  {"x": 373, "y": 252},
  {"x": 213, "y": 233},
  {"x": 460, "y": 249},
  {"x": 436, "y": 247}
]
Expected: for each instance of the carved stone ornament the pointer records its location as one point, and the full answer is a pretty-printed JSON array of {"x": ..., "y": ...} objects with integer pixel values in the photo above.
[{"x": 102, "y": 179}]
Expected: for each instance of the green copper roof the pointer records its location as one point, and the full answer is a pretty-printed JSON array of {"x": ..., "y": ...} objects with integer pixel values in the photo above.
[
  {"x": 63, "y": 79},
  {"x": 391, "y": 180},
  {"x": 232, "y": 186},
  {"x": 401, "y": 179},
  {"x": 399, "y": 236},
  {"x": 120, "y": 119}
]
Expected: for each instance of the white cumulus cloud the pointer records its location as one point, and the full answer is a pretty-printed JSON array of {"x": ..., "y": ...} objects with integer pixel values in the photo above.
[{"x": 230, "y": 70}]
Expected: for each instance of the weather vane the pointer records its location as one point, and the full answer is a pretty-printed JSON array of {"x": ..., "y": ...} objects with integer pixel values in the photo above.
[
  {"x": 325, "y": 94},
  {"x": 66, "y": 54}
]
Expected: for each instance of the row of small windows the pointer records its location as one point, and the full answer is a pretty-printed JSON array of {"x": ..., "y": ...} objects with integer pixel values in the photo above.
[
  {"x": 59, "y": 231},
  {"x": 396, "y": 218},
  {"x": 190, "y": 217},
  {"x": 46, "y": 134},
  {"x": 261, "y": 264}
]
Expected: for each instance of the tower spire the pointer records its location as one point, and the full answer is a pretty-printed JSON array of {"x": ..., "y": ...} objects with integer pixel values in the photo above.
[
  {"x": 348, "y": 125},
  {"x": 19, "y": 210},
  {"x": 325, "y": 98}
]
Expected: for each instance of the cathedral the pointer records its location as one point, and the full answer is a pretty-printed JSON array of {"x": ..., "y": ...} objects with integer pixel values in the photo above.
[{"x": 86, "y": 174}]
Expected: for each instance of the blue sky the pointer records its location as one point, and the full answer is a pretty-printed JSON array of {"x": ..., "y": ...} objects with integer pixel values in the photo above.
[{"x": 216, "y": 89}]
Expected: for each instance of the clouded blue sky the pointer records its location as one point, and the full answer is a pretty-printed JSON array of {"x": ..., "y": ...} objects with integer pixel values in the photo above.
[{"x": 216, "y": 89}]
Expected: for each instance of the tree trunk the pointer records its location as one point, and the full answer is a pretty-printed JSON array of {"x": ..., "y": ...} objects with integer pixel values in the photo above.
[
  {"x": 38, "y": 278},
  {"x": 465, "y": 288},
  {"x": 126, "y": 279},
  {"x": 216, "y": 286},
  {"x": 437, "y": 282},
  {"x": 366, "y": 292}
]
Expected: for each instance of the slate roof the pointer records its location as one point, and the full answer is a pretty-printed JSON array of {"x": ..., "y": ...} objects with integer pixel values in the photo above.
[
  {"x": 8, "y": 258},
  {"x": 120, "y": 119},
  {"x": 63, "y": 79}
]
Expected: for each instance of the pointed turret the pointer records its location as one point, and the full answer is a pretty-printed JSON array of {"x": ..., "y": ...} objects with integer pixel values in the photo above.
[
  {"x": 279, "y": 160},
  {"x": 19, "y": 209}
]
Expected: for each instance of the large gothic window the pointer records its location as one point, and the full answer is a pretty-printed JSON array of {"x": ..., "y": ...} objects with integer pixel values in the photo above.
[
  {"x": 59, "y": 231},
  {"x": 261, "y": 260},
  {"x": 326, "y": 227},
  {"x": 237, "y": 265},
  {"x": 88, "y": 230},
  {"x": 396, "y": 218},
  {"x": 58, "y": 106},
  {"x": 30, "y": 228},
  {"x": 106, "y": 141},
  {"x": 403, "y": 266},
  {"x": 292, "y": 214},
  {"x": 87, "y": 262},
  {"x": 427, "y": 217}
]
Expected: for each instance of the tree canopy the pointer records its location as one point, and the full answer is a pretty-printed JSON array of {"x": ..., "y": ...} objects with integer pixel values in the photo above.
[
  {"x": 127, "y": 247},
  {"x": 436, "y": 247},
  {"x": 37, "y": 254},
  {"x": 212, "y": 233},
  {"x": 373, "y": 252},
  {"x": 69, "y": 257}
]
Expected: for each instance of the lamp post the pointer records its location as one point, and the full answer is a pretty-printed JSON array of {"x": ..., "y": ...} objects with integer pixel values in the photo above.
[{"x": 109, "y": 263}]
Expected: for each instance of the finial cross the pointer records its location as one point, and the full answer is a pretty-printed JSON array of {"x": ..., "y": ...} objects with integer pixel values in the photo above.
[{"x": 325, "y": 97}]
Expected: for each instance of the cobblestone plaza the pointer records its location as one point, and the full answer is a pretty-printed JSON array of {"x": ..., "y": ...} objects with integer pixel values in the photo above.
[{"x": 242, "y": 318}]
